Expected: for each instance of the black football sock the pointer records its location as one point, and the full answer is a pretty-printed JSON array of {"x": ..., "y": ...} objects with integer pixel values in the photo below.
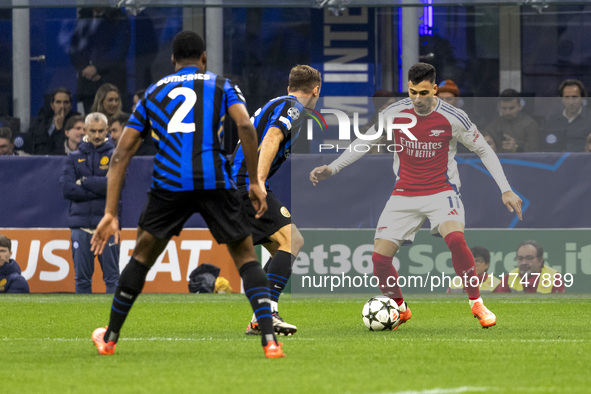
[
  {"x": 266, "y": 267},
  {"x": 279, "y": 272},
  {"x": 256, "y": 289},
  {"x": 131, "y": 283}
]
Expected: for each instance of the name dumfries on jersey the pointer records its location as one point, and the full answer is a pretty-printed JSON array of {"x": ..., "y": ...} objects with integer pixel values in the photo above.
[{"x": 183, "y": 78}]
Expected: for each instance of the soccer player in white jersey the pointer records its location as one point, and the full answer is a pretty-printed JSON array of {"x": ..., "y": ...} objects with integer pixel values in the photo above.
[{"x": 427, "y": 184}]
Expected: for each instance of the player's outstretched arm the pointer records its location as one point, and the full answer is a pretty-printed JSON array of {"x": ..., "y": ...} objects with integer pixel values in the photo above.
[
  {"x": 319, "y": 174},
  {"x": 109, "y": 224},
  {"x": 249, "y": 141},
  {"x": 513, "y": 203}
]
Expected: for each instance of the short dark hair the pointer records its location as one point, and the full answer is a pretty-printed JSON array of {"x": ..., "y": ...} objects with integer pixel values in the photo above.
[
  {"x": 71, "y": 122},
  {"x": 187, "y": 45},
  {"x": 572, "y": 82},
  {"x": 61, "y": 89},
  {"x": 422, "y": 72},
  {"x": 539, "y": 249},
  {"x": 479, "y": 251},
  {"x": 509, "y": 95},
  {"x": 6, "y": 133},
  {"x": 5, "y": 242},
  {"x": 304, "y": 78},
  {"x": 121, "y": 117}
]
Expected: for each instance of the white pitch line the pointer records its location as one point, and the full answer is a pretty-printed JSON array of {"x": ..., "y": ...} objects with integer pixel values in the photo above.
[
  {"x": 453, "y": 390},
  {"x": 291, "y": 338},
  {"x": 152, "y": 339},
  {"x": 295, "y": 298},
  {"x": 463, "y": 389}
]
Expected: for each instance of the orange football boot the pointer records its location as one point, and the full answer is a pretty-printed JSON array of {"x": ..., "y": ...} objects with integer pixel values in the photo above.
[
  {"x": 98, "y": 337},
  {"x": 404, "y": 316},
  {"x": 485, "y": 317},
  {"x": 253, "y": 328},
  {"x": 274, "y": 350}
]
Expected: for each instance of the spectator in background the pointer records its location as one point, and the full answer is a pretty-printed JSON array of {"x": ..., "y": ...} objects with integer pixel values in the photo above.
[
  {"x": 449, "y": 92},
  {"x": 14, "y": 125},
  {"x": 488, "y": 283},
  {"x": 84, "y": 183},
  {"x": 74, "y": 132},
  {"x": 107, "y": 100},
  {"x": 517, "y": 130},
  {"x": 7, "y": 143},
  {"x": 491, "y": 140},
  {"x": 98, "y": 51},
  {"x": 137, "y": 96},
  {"x": 532, "y": 270},
  {"x": 575, "y": 119},
  {"x": 11, "y": 279},
  {"x": 46, "y": 133},
  {"x": 588, "y": 143},
  {"x": 116, "y": 126}
]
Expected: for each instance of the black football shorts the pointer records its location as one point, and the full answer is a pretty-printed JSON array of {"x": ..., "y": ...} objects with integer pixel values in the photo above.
[
  {"x": 166, "y": 212},
  {"x": 276, "y": 217}
]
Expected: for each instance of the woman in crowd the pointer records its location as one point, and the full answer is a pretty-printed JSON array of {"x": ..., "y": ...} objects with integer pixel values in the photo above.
[{"x": 107, "y": 100}]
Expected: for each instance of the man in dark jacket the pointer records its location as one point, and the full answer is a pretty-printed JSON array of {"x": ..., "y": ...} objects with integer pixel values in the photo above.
[
  {"x": 98, "y": 51},
  {"x": 84, "y": 183},
  {"x": 46, "y": 133},
  {"x": 11, "y": 280}
]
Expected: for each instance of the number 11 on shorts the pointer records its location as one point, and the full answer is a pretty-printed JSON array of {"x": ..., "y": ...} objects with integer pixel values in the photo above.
[{"x": 451, "y": 201}]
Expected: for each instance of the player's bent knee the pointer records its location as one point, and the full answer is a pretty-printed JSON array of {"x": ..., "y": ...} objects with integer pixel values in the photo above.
[
  {"x": 283, "y": 237},
  {"x": 385, "y": 247},
  {"x": 289, "y": 239},
  {"x": 272, "y": 247},
  {"x": 242, "y": 251},
  {"x": 297, "y": 241}
]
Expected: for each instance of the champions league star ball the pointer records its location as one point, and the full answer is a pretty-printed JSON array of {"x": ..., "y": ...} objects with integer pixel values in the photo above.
[{"x": 381, "y": 313}]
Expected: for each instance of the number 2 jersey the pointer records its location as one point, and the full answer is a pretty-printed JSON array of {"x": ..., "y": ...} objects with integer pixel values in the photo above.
[
  {"x": 287, "y": 114},
  {"x": 426, "y": 165},
  {"x": 184, "y": 112}
]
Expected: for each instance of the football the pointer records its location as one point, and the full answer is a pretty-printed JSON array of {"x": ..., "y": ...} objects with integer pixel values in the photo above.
[{"x": 381, "y": 313}]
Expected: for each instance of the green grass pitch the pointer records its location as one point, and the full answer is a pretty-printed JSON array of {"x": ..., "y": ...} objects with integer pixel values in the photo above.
[{"x": 196, "y": 344}]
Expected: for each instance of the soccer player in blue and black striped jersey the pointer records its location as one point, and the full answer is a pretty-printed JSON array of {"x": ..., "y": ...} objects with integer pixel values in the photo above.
[
  {"x": 184, "y": 113},
  {"x": 278, "y": 125}
]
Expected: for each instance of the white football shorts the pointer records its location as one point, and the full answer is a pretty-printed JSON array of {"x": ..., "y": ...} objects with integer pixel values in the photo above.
[{"x": 403, "y": 216}]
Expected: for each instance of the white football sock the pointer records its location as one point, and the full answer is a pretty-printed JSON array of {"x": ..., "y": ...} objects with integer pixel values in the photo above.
[
  {"x": 472, "y": 302},
  {"x": 402, "y": 306}
]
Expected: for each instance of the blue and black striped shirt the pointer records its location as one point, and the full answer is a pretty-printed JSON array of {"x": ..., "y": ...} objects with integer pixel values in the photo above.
[
  {"x": 287, "y": 114},
  {"x": 185, "y": 114}
]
